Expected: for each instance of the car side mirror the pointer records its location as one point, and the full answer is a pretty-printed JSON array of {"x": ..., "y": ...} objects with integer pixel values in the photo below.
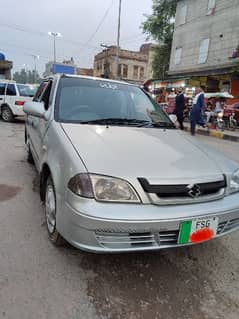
[{"x": 35, "y": 109}]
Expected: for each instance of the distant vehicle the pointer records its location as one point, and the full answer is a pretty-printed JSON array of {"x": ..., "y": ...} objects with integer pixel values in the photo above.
[
  {"x": 115, "y": 174},
  {"x": 233, "y": 108},
  {"x": 12, "y": 98}
]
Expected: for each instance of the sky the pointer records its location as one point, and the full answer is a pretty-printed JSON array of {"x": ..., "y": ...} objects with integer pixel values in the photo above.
[{"x": 83, "y": 24}]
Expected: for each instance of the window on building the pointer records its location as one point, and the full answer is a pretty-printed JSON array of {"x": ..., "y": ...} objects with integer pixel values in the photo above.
[
  {"x": 211, "y": 7},
  {"x": 203, "y": 51},
  {"x": 136, "y": 72},
  {"x": 119, "y": 70},
  {"x": 177, "y": 56},
  {"x": 141, "y": 75},
  {"x": 182, "y": 15},
  {"x": 125, "y": 70}
]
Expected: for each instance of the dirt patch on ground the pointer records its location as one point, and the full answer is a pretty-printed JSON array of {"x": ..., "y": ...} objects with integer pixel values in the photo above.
[
  {"x": 153, "y": 286},
  {"x": 7, "y": 192},
  {"x": 143, "y": 286}
]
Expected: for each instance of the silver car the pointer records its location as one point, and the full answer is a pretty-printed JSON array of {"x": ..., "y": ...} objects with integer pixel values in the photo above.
[{"x": 115, "y": 174}]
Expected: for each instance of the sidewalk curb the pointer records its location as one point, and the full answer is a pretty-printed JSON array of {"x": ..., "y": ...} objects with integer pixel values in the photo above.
[{"x": 216, "y": 134}]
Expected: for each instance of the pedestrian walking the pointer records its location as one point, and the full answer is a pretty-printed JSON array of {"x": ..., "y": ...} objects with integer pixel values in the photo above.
[
  {"x": 179, "y": 107},
  {"x": 196, "y": 115}
]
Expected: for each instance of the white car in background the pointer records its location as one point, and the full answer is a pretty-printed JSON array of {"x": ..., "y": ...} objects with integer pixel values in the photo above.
[{"x": 12, "y": 98}]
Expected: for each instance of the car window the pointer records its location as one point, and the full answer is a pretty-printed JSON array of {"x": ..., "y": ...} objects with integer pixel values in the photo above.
[
  {"x": 87, "y": 100},
  {"x": 40, "y": 91},
  {"x": 26, "y": 90},
  {"x": 11, "y": 89},
  {"x": 2, "y": 88},
  {"x": 46, "y": 95}
]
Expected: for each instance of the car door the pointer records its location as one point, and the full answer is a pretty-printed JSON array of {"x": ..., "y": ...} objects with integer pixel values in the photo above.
[
  {"x": 10, "y": 98},
  {"x": 36, "y": 127},
  {"x": 2, "y": 92}
]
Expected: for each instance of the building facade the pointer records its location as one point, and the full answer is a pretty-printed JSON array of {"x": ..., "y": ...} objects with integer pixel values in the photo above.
[
  {"x": 206, "y": 43},
  {"x": 84, "y": 71},
  {"x": 5, "y": 67},
  {"x": 134, "y": 66}
]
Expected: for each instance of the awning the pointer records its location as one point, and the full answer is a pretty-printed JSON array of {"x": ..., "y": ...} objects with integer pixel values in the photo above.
[{"x": 225, "y": 95}]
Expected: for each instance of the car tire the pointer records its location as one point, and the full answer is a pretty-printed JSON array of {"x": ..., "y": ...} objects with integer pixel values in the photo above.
[
  {"x": 7, "y": 114},
  {"x": 51, "y": 213}
]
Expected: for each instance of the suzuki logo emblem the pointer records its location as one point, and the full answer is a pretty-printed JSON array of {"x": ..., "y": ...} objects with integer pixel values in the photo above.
[{"x": 194, "y": 190}]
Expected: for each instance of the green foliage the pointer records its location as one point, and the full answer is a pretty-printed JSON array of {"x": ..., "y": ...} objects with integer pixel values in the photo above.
[
  {"x": 160, "y": 27},
  {"x": 26, "y": 77}
]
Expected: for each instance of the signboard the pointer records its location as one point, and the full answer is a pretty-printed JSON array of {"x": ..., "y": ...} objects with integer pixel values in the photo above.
[{"x": 60, "y": 68}]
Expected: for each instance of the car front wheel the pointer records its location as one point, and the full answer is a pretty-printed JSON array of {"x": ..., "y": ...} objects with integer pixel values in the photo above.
[{"x": 51, "y": 213}]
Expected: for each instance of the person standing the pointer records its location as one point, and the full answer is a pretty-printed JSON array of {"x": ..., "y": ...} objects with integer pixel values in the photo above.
[
  {"x": 179, "y": 107},
  {"x": 196, "y": 115}
]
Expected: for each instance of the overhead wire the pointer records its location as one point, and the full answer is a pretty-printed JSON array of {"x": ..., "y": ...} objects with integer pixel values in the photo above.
[
  {"x": 40, "y": 33},
  {"x": 100, "y": 23}
]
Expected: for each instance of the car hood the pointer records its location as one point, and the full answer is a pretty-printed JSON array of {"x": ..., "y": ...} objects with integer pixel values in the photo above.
[{"x": 130, "y": 152}]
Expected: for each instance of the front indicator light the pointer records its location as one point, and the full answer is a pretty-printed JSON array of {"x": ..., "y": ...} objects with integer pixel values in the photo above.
[{"x": 81, "y": 185}]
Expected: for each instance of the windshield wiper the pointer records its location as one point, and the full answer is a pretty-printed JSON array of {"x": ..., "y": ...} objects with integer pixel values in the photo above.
[
  {"x": 118, "y": 121},
  {"x": 162, "y": 124},
  {"x": 129, "y": 122}
]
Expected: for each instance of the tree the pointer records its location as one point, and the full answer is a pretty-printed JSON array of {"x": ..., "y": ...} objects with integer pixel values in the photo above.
[
  {"x": 26, "y": 76},
  {"x": 160, "y": 26}
]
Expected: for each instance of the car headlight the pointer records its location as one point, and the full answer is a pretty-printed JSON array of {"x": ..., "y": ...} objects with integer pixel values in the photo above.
[
  {"x": 234, "y": 182},
  {"x": 103, "y": 188}
]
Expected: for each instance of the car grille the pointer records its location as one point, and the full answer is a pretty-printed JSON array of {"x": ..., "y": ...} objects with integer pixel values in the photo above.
[
  {"x": 226, "y": 226},
  {"x": 126, "y": 240},
  {"x": 137, "y": 240},
  {"x": 180, "y": 193},
  {"x": 161, "y": 239}
]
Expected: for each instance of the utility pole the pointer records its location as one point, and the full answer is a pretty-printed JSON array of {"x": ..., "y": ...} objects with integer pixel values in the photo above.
[
  {"x": 54, "y": 35},
  {"x": 118, "y": 40}
]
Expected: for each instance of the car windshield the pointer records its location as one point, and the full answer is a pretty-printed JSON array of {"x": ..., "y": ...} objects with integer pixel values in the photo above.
[
  {"x": 88, "y": 101},
  {"x": 27, "y": 89}
]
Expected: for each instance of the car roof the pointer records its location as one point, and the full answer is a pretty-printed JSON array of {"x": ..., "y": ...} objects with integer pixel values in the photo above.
[
  {"x": 89, "y": 78},
  {"x": 7, "y": 81}
]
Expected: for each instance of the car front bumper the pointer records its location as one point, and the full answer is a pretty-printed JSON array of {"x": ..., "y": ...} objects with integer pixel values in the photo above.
[{"x": 106, "y": 228}]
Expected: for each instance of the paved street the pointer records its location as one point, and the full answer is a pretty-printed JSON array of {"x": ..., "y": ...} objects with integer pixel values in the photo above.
[{"x": 40, "y": 281}]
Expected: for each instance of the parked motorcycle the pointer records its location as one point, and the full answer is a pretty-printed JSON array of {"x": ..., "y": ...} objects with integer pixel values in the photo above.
[
  {"x": 220, "y": 124},
  {"x": 231, "y": 123}
]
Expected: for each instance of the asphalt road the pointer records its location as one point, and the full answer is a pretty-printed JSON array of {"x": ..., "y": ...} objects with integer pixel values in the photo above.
[{"x": 40, "y": 281}]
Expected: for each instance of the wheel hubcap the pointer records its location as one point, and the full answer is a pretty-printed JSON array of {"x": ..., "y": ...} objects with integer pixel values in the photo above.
[
  {"x": 50, "y": 204},
  {"x": 6, "y": 114}
]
